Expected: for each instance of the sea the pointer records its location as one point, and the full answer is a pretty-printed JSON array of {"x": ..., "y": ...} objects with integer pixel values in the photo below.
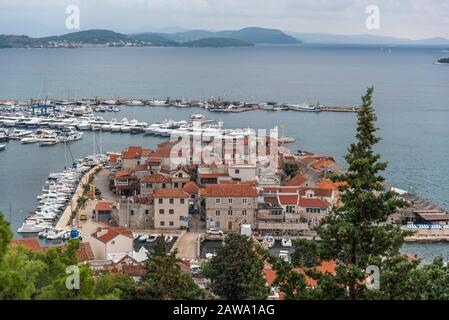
[{"x": 411, "y": 99}]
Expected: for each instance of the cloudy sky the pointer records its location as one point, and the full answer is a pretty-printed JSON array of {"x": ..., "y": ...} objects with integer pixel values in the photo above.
[{"x": 415, "y": 19}]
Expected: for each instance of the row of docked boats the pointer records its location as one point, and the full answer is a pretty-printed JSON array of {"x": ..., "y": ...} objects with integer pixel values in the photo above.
[
  {"x": 44, "y": 137},
  {"x": 56, "y": 196},
  {"x": 110, "y": 105},
  {"x": 269, "y": 242}
]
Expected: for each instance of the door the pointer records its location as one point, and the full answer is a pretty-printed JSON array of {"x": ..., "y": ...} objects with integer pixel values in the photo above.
[{"x": 230, "y": 225}]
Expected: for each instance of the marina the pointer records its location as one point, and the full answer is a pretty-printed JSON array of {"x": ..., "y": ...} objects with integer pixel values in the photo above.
[{"x": 80, "y": 106}]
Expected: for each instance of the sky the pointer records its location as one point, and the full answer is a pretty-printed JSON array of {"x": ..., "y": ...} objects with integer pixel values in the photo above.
[{"x": 413, "y": 19}]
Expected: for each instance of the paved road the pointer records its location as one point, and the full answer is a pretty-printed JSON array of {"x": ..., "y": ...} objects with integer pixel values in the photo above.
[
  {"x": 101, "y": 182},
  {"x": 187, "y": 245}
]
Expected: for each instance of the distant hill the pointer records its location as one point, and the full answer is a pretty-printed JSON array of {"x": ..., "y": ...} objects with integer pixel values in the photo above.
[
  {"x": 154, "y": 38},
  {"x": 216, "y": 42},
  {"x": 324, "y": 38},
  {"x": 90, "y": 36},
  {"x": 252, "y": 34}
]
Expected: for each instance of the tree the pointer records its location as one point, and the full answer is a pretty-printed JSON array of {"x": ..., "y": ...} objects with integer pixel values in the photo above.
[
  {"x": 236, "y": 272},
  {"x": 165, "y": 280},
  {"x": 5, "y": 235},
  {"x": 356, "y": 234},
  {"x": 305, "y": 253},
  {"x": 291, "y": 169}
]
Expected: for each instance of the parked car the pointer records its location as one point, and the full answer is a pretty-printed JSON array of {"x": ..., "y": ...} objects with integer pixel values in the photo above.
[{"x": 214, "y": 232}]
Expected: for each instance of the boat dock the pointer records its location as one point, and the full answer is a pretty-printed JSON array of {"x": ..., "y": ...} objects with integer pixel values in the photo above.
[{"x": 212, "y": 104}]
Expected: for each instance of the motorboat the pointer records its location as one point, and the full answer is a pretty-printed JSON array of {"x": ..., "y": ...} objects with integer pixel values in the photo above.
[
  {"x": 2, "y": 147},
  {"x": 269, "y": 241},
  {"x": 18, "y": 134},
  {"x": 151, "y": 238},
  {"x": 29, "y": 140},
  {"x": 143, "y": 238},
  {"x": 32, "y": 226},
  {"x": 286, "y": 242},
  {"x": 168, "y": 238}
]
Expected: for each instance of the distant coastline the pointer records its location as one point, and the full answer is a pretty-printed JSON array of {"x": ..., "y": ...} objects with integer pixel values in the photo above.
[{"x": 107, "y": 38}]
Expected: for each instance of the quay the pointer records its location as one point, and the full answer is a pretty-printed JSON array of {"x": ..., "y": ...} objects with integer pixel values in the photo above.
[{"x": 212, "y": 104}]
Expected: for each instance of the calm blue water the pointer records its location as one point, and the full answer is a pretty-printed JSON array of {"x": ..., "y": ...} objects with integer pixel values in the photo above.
[{"x": 411, "y": 99}]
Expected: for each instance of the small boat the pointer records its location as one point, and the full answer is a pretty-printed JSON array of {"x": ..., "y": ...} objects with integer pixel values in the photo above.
[
  {"x": 152, "y": 238},
  {"x": 143, "y": 238},
  {"x": 29, "y": 140},
  {"x": 2, "y": 147},
  {"x": 136, "y": 236},
  {"x": 286, "y": 242},
  {"x": 269, "y": 241},
  {"x": 168, "y": 238}
]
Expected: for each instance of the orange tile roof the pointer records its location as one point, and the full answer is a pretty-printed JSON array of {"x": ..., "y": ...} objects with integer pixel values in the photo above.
[
  {"x": 231, "y": 190},
  {"x": 170, "y": 193},
  {"x": 124, "y": 173},
  {"x": 325, "y": 267},
  {"x": 297, "y": 180},
  {"x": 146, "y": 152},
  {"x": 326, "y": 184},
  {"x": 313, "y": 203},
  {"x": 29, "y": 243},
  {"x": 161, "y": 153},
  {"x": 288, "y": 200},
  {"x": 153, "y": 160},
  {"x": 104, "y": 206},
  {"x": 113, "y": 232},
  {"x": 322, "y": 163},
  {"x": 113, "y": 157},
  {"x": 132, "y": 153},
  {"x": 141, "y": 167},
  {"x": 84, "y": 252},
  {"x": 191, "y": 187},
  {"x": 154, "y": 178}
]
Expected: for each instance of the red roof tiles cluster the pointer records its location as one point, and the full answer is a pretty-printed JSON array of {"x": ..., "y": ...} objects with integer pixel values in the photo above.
[
  {"x": 111, "y": 233},
  {"x": 231, "y": 190},
  {"x": 154, "y": 178},
  {"x": 104, "y": 206},
  {"x": 29, "y": 243},
  {"x": 297, "y": 180}
]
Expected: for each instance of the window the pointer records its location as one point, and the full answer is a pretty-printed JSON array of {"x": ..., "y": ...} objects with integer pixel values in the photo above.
[
  {"x": 217, "y": 200},
  {"x": 161, "y": 200},
  {"x": 181, "y": 201},
  {"x": 171, "y": 223},
  {"x": 150, "y": 185},
  {"x": 217, "y": 213},
  {"x": 172, "y": 201},
  {"x": 243, "y": 212},
  {"x": 230, "y": 200},
  {"x": 163, "y": 186},
  {"x": 171, "y": 211},
  {"x": 176, "y": 185},
  {"x": 237, "y": 171},
  {"x": 289, "y": 209},
  {"x": 229, "y": 212},
  {"x": 132, "y": 212},
  {"x": 162, "y": 223},
  {"x": 161, "y": 211},
  {"x": 244, "y": 200},
  {"x": 147, "y": 211},
  {"x": 180, "y": 175},
  {"x": 113, "y": 242}
]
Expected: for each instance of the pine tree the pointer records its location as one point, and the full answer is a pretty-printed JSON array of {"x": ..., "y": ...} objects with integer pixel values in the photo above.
[{"x": 236, "y": 272}]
